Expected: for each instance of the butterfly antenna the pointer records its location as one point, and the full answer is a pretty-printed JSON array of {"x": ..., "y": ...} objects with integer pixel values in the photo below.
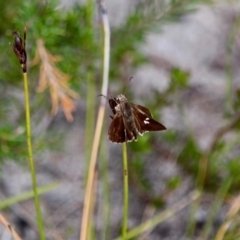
[
  {"x": 128, "y": 84},
  {"x": 101, "y": 95},
  {"x": 130, "y": 79},
  {"x": 112, "y": 98}
]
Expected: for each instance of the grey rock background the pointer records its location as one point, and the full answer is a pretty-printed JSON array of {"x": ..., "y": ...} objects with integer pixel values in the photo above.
[{"x": 198, "y": 44}]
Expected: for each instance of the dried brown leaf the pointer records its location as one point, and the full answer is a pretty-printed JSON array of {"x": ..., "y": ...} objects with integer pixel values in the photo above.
[{"x": 55, "y": 80}]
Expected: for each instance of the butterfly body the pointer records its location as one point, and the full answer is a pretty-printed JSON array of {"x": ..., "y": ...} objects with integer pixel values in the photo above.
[{"x": 129, "y": 120}]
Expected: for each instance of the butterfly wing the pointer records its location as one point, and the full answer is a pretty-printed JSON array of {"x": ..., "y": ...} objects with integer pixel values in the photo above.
[
  {"x": 118, "y": 131},
  {"x": 113, "y": 103},
  {"x": 144, "y": 121}
]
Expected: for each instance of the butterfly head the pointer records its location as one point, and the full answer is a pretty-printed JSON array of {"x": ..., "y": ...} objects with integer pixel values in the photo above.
[{"x": 121, "y": 98}]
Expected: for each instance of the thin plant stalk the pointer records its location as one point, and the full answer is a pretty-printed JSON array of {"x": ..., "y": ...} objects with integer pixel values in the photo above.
[
  {"x": 99, "y": 124},
  {"x": 216, "y": 206},
  {"x": 202, "y": 171},
  {"x": 231, "y": 218},
  {"x": 90, "y": 94},
  {"x": 89, "y": 132},
  {"x": 125, "y": 191},
  {"x": 31, "y": 161},
  {"x": 90, "y": 116},
  {"x": 91, "y": 233},
  {"x": 229, "y": 66},
  {"x": 151, "y": 223},
  {"x": 19, "y": 48},
  {"x": 104, "y": 210},
  {"x": 27, "y": 195},
  {"x": 9, "y": 227}
]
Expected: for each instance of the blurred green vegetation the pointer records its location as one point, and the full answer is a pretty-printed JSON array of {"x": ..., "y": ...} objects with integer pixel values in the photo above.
[{"x": 75, "y": 37}]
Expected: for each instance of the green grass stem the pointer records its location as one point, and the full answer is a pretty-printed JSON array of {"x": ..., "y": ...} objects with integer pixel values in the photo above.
[
  {"x": 216, "y": 205},
  {"x": 229, "y": 65},
  {"x": 27, "y": 195},
  {"x": 202, "y": 171},
  {"x": 125, "y": 191},
  {"x": 31, "y": 161},
  {"x": 151, "y": 223},
  {"x": 105, "y": 199},
  {"x": 90, "y": 116}
]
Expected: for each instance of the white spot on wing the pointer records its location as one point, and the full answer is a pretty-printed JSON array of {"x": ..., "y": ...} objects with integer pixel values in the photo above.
[{"x": 146, "y": 121}]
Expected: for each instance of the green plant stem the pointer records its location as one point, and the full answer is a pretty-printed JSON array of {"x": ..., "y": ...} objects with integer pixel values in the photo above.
[
  {"x": 90, "y": 116},
  {"x": 104, "y": 210},
  {"x": 91, "y": 86},
  {"x": 31, "y": 161},
  {"x": 216, "y": 206},
  {"x": 125, "y": 191},
  {"x": 202, "y": 171},
  {"x": 229, "y": 66},
  {"x": 149, "y": 224},
  {"x": 26, "y": 195},
  {"x": 90, "y": 13},
  {"x": 89, "y": 132}
]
